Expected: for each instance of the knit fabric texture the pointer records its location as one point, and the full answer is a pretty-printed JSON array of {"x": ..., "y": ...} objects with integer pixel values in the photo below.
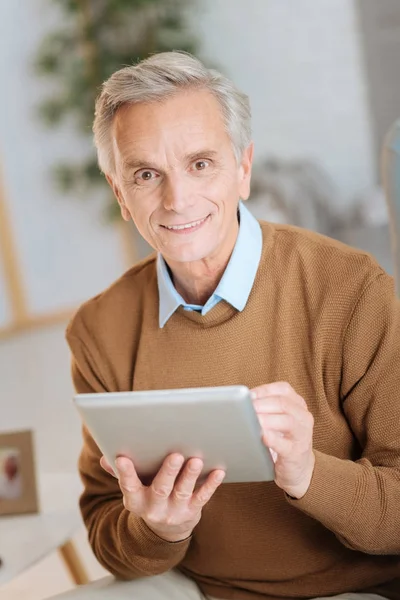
[{"x": 323, "y": 317}]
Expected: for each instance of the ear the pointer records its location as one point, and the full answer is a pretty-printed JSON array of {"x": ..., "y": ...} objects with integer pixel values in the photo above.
[
  {"x": 245, "y": 172},
  {"x": 118, "y": 194}
]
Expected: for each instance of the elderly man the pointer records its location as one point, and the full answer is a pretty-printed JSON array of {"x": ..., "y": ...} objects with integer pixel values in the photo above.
[{"x": 310, "y": 325}]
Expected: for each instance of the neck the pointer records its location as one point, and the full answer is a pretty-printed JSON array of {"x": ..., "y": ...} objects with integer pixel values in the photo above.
[{"x": 197, "y": 282}]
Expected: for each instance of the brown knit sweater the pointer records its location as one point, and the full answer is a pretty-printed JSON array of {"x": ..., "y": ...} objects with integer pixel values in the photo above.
[{"x": 321, "y": 316}]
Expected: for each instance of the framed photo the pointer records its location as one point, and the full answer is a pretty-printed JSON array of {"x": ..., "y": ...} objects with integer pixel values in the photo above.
[{"x": 18, "y": 491}]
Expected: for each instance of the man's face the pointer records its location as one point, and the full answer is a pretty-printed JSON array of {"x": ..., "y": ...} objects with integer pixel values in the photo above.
[{"x": 175, "y": 167}]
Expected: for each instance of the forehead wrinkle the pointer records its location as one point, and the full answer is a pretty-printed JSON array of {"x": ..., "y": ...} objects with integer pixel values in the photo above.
[
  {"x": 141, "y": 129},
  {"x": 169, "y": 156}
]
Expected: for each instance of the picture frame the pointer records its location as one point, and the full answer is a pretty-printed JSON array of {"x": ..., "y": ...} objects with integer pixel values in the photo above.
[{"x": 18, "y": 486}]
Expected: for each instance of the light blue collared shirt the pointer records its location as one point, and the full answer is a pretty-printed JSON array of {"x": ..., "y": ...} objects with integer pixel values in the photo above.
[{"x": 237, "y": 280}]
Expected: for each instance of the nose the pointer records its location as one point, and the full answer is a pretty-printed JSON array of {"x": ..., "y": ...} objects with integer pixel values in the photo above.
[{"x": 177, "y": 195}]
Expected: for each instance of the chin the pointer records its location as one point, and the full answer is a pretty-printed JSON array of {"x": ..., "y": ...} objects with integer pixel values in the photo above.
[{"x": 188, "y": 255}]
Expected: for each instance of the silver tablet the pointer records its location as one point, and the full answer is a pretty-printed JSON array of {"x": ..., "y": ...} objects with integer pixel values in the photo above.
[{"x": 218, "y": 425}]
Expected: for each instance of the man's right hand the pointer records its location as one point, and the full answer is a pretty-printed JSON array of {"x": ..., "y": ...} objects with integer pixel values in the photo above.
[{"x": 170, "y": 506}]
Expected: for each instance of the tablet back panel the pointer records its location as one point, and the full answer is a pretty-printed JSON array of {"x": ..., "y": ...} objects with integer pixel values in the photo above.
[{"x": 218, "y": 425}]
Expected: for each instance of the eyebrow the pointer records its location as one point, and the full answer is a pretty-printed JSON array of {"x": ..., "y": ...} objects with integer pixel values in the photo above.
[{"x": 141, "y": 164}]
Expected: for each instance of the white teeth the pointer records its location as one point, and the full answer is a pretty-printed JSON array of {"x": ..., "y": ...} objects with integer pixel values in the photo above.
[{"x": 187, "y": 226}]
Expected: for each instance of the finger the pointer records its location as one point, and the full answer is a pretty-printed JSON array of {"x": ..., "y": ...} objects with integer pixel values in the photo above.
[
  {"x": 129, "y": 481},
  {"x": 279, "y": 388},
  {"x": 294, "y": 425},
  {"x": 276, "y": 388},
  {"x": 278, "y": 445},
  {"x": 279, "y": 405},
  {"x": 163, "y": 483},
  {"x": 187, "y": 480},
  {"x": 206, "y": 491},
  {"x": 106, "y": 466},
  {"x": 284, "y": 424}
]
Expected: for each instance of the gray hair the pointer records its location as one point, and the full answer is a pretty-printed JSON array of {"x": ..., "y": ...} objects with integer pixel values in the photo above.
[{"x": 161, "y": 76}]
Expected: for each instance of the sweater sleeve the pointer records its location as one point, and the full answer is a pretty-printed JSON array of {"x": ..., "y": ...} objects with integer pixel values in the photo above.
[
  {"x": 360, "y": 500},
  {"x": 120, "y": 540}
]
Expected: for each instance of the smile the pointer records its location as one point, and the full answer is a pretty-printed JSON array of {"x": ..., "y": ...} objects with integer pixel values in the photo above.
[{"x": 192, "y": 225}]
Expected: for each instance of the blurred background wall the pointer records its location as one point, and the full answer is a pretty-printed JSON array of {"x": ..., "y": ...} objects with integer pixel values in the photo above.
[
  {"x": 309, "y": 69},
  {"x": 56, "y": 250},
  {"x": 302, "y": 66}
]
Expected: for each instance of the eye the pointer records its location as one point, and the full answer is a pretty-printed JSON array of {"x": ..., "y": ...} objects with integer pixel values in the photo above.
[
  {"x": 145, "y": 175},
  {"x": 201, "y": 164}
]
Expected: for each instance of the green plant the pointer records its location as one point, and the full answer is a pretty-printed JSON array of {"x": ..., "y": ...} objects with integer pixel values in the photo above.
[{"x": 97, "y": 38}]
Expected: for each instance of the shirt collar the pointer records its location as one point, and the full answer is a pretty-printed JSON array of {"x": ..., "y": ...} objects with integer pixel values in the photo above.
[{"x": 238, "y": 278}]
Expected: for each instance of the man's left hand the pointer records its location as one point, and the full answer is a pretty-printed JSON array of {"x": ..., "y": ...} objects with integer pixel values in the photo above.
[{"x": 287, "y": 427}]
